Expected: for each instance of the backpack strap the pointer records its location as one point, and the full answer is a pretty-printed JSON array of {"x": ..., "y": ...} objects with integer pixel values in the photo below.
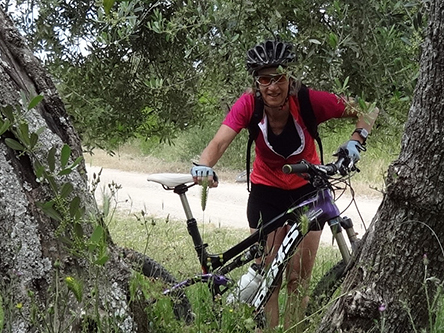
[
  {"x": 253, "y": 131},
  {"x": 309, "y": 117},
  {"x": 307, "y": 114}
]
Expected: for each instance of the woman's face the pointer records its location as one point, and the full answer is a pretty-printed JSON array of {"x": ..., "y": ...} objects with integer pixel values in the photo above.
[{"x": 273, "y": 86}]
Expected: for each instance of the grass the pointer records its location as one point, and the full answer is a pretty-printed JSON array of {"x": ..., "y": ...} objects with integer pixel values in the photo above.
[{"x": 167, "y": 242}]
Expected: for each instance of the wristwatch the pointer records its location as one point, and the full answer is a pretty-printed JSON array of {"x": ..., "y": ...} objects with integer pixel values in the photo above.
[{"x": 363, "y": 133}]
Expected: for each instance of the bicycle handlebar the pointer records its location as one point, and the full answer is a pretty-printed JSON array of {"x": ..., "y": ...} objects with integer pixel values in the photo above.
[
  {"x": 342, "y": 166},
  {"x": 306, "y": 167},
  {"x": 295, "y": 168}
]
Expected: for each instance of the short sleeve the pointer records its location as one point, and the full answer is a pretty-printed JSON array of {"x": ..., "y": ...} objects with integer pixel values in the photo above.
[
  {"x": 240, "y": 113},
  {"x": 326, "y": 105}
]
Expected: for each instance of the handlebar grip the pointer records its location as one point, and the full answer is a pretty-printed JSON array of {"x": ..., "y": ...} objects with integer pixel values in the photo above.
[{"x": 295, "y": 168}]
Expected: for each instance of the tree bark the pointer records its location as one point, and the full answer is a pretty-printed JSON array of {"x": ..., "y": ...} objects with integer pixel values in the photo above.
[
  {"x": 46, "y": 278},
  {"x": 392, "y": 285}
]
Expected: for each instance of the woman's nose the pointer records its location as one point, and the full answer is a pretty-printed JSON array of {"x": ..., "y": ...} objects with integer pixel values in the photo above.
[{"x": 273, "y": 85}]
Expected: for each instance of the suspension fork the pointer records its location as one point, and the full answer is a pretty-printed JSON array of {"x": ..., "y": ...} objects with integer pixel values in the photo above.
[
  {"x": 336, "y": 229},
  {"x": 336, "y": 226}
]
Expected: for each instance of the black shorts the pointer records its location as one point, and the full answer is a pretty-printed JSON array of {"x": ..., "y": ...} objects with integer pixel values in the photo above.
[{"x": 266, "y": 202}]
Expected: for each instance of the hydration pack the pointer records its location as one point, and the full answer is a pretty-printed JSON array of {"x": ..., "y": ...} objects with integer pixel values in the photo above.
[{"x": 306, "y": 112}]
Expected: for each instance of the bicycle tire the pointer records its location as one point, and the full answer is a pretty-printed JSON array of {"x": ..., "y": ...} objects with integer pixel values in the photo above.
[
  {"x": 153, "y": 270},
  {"x": 326, "y": 287}
]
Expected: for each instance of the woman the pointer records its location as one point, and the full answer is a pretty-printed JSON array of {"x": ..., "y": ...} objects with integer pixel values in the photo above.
[{"x": 283, "y": 138}]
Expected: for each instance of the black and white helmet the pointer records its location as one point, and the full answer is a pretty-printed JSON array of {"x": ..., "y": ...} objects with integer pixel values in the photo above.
[{"x": 269, "y": 54}]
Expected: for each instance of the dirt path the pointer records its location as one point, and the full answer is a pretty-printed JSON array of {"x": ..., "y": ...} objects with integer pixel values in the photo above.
[{"x": 226, "y": 205}]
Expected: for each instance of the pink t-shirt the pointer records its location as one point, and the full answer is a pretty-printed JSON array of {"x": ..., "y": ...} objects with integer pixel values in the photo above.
[{"x": 267, "y": 166}]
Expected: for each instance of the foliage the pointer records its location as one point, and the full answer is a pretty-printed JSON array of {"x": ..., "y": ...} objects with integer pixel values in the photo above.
[{"x": 150, "y": 68}]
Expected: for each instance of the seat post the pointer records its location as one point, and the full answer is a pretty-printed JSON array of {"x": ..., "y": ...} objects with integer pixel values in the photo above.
[
  {"x": 181, "y": 190},
  {"x": 186, "y": 206}
]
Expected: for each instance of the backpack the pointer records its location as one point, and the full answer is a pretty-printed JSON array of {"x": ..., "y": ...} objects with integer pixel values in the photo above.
[{"x": 307, "y": 115}]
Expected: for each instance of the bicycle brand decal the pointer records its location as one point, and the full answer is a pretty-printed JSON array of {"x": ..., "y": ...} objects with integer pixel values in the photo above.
[{"x": 278, "y": 261}]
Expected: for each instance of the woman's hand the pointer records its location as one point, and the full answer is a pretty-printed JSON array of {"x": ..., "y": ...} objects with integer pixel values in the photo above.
[{"x": 202, "y": 173}]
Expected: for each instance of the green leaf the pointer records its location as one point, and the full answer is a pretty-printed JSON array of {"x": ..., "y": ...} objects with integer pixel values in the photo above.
[
  {"x": 97, "y": 235},
  {"x": 314, "y": 41},
  {"x": 14, "y": 144},
  {"x": 49, "y": 210},
  {"x": 9, "y": 113},
  {"x": 39, "y": 169},
  {"x": 23, "y": 131},
  {"x": 65, "y": 240},
  {"x": 107, "y": 5},
  {"x": 64, "y": 172},
  {"x": 5, "y": 126},
  {"x": 76, "y": 162},
  {"x": 51, "y": 159},
  {"x": 102, "y": 260},
  {"x": 78, "y": 230},
  {"x": 362, "y": 104},
  {"x": 80, "y": 213},
  {"x": 33, "y": 140},
  {"x": 345, "y": 85},
  {"x": 36, "y": 100},
  {"x": 64, "y": 158},
  {"x": 74, "y": 206},
  {"x": 66, "y": 190},
  {"x": 40, "y": 130},
  {"x": 333, "y": 40}
]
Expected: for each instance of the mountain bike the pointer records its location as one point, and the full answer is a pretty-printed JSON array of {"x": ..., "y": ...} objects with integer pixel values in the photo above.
[{"x": 310, "y": 214}]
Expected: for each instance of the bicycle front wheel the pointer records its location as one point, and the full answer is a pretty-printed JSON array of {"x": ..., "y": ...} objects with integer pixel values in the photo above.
[
  {"x": 158, "y": 274},
  {"x": 325, "y": 289}
]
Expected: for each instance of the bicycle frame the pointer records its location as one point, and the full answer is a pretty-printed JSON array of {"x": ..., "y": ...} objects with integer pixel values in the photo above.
[{"x": 319, "y": 209}]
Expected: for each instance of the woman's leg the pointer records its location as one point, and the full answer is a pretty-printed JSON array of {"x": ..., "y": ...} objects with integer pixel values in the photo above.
[
  {"x": 298, "y": 279},
  {"x": 274, "y": 240}
]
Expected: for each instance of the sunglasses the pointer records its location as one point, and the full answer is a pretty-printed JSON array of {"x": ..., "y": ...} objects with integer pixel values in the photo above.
[{"x": 266, "y": 80}]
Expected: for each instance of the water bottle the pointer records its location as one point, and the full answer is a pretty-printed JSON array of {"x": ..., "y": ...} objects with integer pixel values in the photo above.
[{"x": 246, "y": 286}]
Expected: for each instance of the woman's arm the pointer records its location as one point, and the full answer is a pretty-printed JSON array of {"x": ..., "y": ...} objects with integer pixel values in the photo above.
[
  {"x": 217, "y": 146},
  {"x": 365, "y": 121}
]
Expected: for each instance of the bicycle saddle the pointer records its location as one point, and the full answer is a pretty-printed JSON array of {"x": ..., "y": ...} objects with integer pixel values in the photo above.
[{"x": 171, "y": 179}]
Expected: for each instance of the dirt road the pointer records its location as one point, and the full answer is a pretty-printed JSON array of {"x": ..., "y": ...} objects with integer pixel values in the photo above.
[{"x": 226, "y": 205}]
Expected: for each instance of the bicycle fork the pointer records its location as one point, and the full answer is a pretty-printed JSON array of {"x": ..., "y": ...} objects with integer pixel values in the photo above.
[{"x": 336, "y": 225}]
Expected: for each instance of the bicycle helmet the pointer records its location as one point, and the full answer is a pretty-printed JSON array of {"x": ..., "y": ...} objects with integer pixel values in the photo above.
[{"x": 269, "y": 54}]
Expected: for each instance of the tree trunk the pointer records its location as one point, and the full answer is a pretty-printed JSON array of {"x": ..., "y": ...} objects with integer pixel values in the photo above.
[
  {"x": 393, "y": 284},
  {"x": 55, "y": 274}
]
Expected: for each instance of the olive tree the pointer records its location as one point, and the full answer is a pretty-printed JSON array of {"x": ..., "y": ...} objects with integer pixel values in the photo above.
[
  {"x": 396, "y": 282},
  {"x": 59, "y": 270}
]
